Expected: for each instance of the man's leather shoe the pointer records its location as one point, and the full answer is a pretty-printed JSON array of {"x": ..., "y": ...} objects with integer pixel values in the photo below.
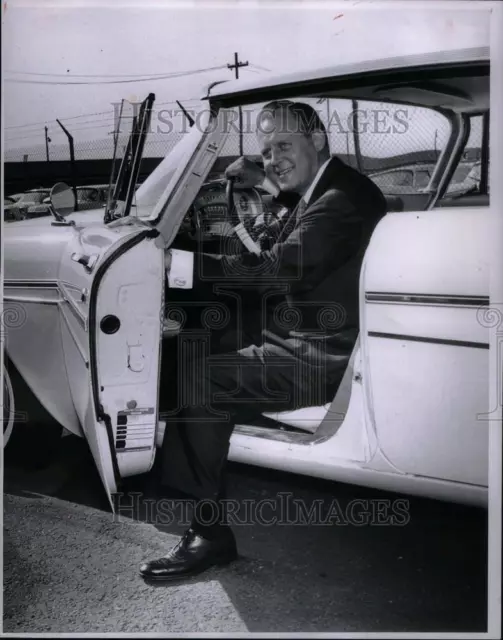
[{"x": 192, "y": 555}]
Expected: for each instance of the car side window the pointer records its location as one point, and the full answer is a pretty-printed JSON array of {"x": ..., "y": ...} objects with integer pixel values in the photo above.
[
  {"x": 398, "y": 147},
  {"x": 467, "y": 178}
]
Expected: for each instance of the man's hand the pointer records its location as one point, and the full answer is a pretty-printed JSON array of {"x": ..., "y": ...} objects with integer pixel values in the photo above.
[{"x": 247, "y": 173}]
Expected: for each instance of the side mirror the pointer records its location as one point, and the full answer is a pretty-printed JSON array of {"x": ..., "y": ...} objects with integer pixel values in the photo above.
[{"x": 62, "y": 199}]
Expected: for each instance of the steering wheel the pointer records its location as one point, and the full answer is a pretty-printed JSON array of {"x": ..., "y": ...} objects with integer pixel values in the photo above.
[
  {"x": 237, "y": 226},
  {"x": 193, "y": 224}
]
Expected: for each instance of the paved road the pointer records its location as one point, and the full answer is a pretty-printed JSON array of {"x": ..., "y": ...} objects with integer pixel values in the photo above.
[{"x": 68, "y": 567}]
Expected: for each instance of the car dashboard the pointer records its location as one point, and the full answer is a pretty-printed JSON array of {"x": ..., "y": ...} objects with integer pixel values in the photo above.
[{"x": 207, "y": 226}]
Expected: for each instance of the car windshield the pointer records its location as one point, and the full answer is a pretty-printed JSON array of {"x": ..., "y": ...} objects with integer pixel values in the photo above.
[{"x": 160, "y": 182}]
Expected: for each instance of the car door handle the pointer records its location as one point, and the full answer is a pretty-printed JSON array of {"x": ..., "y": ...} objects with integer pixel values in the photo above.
[{"x": 88, "y": 262}]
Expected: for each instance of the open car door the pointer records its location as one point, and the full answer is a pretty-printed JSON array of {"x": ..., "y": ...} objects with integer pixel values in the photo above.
[
  {"x": 112, "y": 286},
  {"x": 112, "y": 282}
]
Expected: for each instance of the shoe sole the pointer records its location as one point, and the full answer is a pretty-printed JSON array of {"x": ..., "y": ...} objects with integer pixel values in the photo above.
[{"x": 218, "y": 562}]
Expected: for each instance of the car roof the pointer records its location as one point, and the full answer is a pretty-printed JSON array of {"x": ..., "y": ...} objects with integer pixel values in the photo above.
[{"x": 234, "y": 87}]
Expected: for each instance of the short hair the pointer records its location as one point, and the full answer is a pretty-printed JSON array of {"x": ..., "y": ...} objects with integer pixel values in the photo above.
[{"x": 306, "y": 116}]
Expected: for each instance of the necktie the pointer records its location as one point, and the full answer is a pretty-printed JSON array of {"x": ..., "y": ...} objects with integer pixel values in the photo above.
[
  {"x": 302, "y": 206},
  {"x": 291, "y": 220}
]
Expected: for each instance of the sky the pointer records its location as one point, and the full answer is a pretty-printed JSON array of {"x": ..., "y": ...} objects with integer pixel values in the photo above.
[{"x": 119, "y": 38}]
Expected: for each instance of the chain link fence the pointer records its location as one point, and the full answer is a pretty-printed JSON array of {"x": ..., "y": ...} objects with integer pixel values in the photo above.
[
  {"x": 396, "y": 145},
  {"x": 158, "y": 144}
]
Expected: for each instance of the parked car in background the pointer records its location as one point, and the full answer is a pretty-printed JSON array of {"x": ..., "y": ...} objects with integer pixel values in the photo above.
[
  {"x": 18, "y": 210},
  {"x": 403, "y": 179},
  {"x": 470, "y": 183},
  {"x": 88, "y": 197},
  {"x": 409, "y": 179},
  {"x": 9, "y": 203},
  {"x": 92, "y": 196}
]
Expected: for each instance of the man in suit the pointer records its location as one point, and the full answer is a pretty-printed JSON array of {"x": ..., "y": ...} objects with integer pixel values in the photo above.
[{"x": 315, "y": 253}]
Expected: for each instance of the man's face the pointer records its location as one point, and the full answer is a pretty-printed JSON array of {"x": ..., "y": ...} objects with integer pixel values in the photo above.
[{"x": 290, "y": 157}]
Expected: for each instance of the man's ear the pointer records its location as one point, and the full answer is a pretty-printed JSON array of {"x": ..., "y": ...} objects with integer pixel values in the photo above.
[{"x": 319, "y": 140}]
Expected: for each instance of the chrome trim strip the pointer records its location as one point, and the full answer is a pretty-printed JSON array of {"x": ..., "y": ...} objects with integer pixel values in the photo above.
[
  {"x": 58, "y": 294},
  {"x": 73, "y": 307},
  {"x": 69, "y": 285},
  {"x": 75, "y": 312},
  {"x": 14, "y": 298},
  {"x": 426, "y": 299},
  {"x": 30, "y": 284},
  {"x": 30, "y": 291},
  {"x": 445, "y": 341}
]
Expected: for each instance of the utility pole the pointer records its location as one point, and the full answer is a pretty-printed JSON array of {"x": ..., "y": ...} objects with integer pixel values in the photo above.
[
  {"x": 236, "y": 66},
  {"x": 47, "y": 140},
  {"x": 72, "y": 164}
]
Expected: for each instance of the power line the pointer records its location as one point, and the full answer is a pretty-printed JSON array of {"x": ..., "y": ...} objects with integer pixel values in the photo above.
[
  {"x": 91, "y": 124},
  {"x": 83, "y": 115},
  {"x": 257, "y": 66},
  {"x": 111, "y": 75},
  {"x": 54, "y": 133},
  {"x": 178, "y": 74},
  {"x": 98, "y": 75},
  {"x": 106, "y": 121},
  {"x": 32, "y": 124},
  {"x": 180, "y": 100},
  {"x": 144, "y": 79}
]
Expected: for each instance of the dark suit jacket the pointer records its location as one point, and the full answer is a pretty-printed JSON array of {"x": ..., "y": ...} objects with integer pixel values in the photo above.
[{"x": 314, "y": 255}]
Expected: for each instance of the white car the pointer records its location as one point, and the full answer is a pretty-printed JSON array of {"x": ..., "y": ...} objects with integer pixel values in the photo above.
[
  {"x": 85, "y": 301},
  {"x": 18, "y": 210}
]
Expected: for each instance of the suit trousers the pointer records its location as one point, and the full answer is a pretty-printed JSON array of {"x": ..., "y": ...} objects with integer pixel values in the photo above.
[{"x": 218, "y": 391}]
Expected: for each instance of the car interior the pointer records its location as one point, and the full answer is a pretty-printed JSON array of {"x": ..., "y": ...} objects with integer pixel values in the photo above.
[{"x": 460, "y": 102}]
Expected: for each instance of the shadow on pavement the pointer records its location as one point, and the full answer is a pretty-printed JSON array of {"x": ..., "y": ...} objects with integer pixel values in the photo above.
[
  {"x": 70, "y": 475},
  {"x": 429, "y": 574}
]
